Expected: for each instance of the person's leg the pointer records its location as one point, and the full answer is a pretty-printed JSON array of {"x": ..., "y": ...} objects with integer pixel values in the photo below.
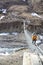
[{"x": 34, "y": 42}]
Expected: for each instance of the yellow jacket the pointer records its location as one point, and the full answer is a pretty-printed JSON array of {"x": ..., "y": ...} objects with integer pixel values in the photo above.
[{"x": 34, "y": 37}]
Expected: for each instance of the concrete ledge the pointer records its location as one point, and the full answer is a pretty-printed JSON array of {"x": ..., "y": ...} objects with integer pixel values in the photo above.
[{"x": 31, "y": 59}]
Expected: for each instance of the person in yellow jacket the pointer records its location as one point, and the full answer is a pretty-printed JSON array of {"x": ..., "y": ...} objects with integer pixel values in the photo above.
[{"x": 34, "y": 38}]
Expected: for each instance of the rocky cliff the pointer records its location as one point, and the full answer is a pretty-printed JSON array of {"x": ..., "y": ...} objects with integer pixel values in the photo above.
[{"x": 17, "y": 10}]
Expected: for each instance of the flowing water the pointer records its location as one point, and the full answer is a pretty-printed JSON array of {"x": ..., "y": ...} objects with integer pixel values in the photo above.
[
  {"x": 29, "y": 40},
  {"x": 4, "y": 41},
  {"x": 27, "y": 36},
  {"x": 31, "y": 46},
  {"x": 8, "y": 51}
]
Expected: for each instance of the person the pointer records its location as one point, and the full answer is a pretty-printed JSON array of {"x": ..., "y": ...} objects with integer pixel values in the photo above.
[{"x": 34, "y": 38}]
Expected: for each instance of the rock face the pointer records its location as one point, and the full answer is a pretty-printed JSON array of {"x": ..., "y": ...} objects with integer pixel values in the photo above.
[
  {"x": 39, "y": 7},
  {"x": 36, "y": 5},
  {"x": 35, "y": 1},
  {"x": 17, "y": 10}
]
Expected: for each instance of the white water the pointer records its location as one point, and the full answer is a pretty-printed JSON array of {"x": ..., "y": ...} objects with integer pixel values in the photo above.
[
  {"x": 14, "y": 33},
  {"x": 31, "y": 46},
  {"x": 8, "y": 51},
  {"x": 29, "y": 41},
  {"x": 38, "y": 42},
  {"x": 5, "y": 53},
  {"x": 41, "y": 37},
  {"x": 5, "y": 34},
  {"x": 28, "y": 37}
]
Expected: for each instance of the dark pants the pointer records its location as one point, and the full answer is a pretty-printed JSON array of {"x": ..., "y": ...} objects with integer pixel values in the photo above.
[{"x": 34, "y": 41}]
